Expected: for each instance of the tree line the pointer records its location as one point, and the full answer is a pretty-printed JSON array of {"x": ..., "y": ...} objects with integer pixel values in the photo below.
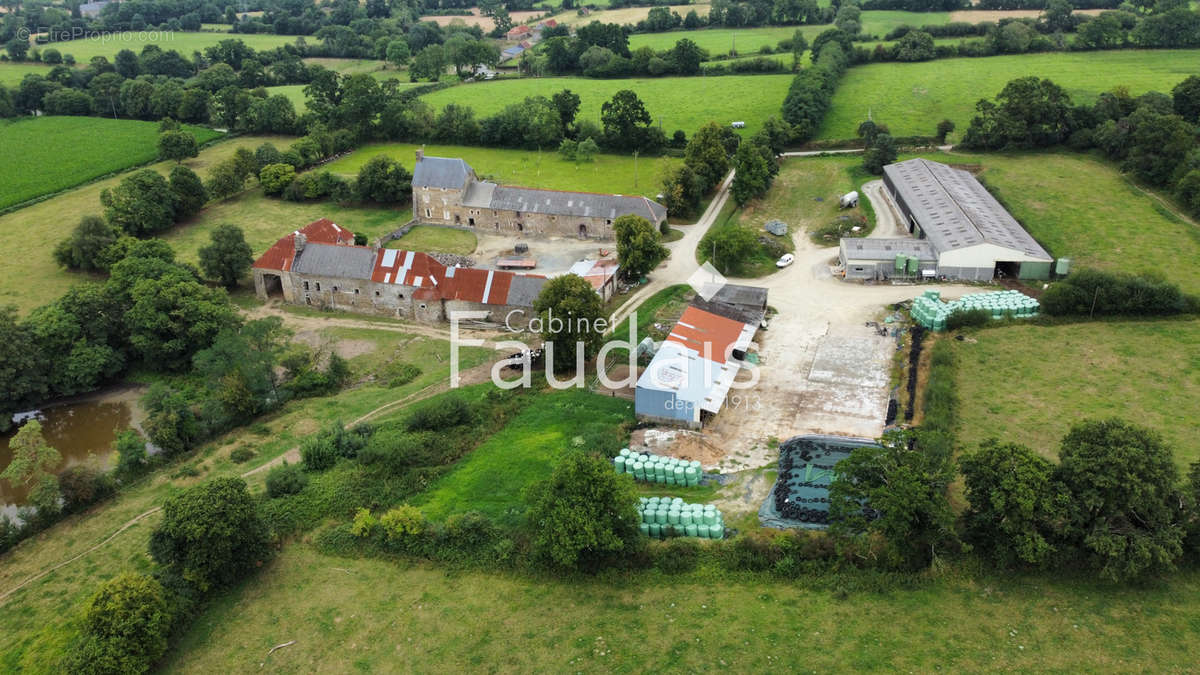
[{"x": 1152, "y": 136}]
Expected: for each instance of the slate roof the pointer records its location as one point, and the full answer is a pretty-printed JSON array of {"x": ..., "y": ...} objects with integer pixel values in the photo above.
[
  {"x": 328, "y": 260},
  {"x": 524, "y": 289},
  {"x": 441, "y": 172},
  {"x": 582, "y": 204},
  {"x": 955, "y": 211}
]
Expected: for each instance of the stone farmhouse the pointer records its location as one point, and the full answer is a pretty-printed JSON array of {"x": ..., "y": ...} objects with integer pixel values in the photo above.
[
  {"x": 320, "y": 266},
  {"x": 446, "y": 191}
]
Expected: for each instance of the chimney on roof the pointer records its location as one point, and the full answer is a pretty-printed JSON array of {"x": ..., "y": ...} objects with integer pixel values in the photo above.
[
  {"x": 300, "y": 241},
  {"x": 420, "y": 154}
]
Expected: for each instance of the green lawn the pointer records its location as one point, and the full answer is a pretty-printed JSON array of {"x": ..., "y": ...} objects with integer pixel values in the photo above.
[
  {"x": 432, "y": 239},
  {"x": 618, "y": 174},
  {"x": 1015, "y": 383},
  {"x": 361, "y": 615},
  {"x": 48, "y": 154},
  {"x": 492, "y": 477},
  {"x": 39, "y": 620},
  {"x": 265, "y": 219},
  {"x": 677, "y": 102},
  {"x": 30, "y": 257},
  {"x": 911, "y": 98},
  {"x": 185, "y": 43},
  {"x": 11, "y": 74}
]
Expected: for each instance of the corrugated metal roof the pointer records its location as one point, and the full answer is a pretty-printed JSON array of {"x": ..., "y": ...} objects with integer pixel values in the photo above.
[
  {"x": 706, "y": 333},
  {"x": 407, "y": 268},
  {"x": 441, "y": 172},
  {"x": 346, "y": 262},
  {"x": 887, "y": 249},
  {"x": 955, "y": 211}
]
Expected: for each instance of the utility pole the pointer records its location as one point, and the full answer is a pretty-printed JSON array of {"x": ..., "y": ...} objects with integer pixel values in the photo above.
[{"x": 635, "y": 168}]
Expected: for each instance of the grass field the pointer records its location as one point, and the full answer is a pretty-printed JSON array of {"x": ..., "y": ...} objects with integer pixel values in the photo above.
[
  {"x": 436, "y": 240},
  {"x": 30, "y": 257},
  {"x": 618, "y": 174},
  {"x": 912, "y": 98},
  {"x": 1015, "y": 382},
  {"x": 388, "y": 616},
  {"x": 48, "y": 154},
  {"x": 677, "y": 102},
  {"x": 11, "y": 74},
  {"x": 185, "y": 43},
  {"x": 37, "y": 621},
  {"x": 492, "y": 477},
  {"x": 805, "y": 195}
]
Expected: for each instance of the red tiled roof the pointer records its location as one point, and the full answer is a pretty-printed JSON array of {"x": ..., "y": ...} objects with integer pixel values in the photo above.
[
  {"x": 520, "y": 30},
  {"x": 697, "y": 328},
  {"x": 283, "y": 252}
]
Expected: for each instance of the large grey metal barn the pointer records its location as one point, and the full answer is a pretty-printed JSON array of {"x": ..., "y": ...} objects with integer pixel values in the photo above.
[{"x": 972, "y": 237}]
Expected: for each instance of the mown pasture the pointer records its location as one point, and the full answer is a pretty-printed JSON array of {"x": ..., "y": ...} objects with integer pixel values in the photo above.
[
  {"x": 48, "y": 154},
  {"x": 674, "y": 102},
  {"x": 1030, "y": 384},
  {"x": 911, "y": 98}
]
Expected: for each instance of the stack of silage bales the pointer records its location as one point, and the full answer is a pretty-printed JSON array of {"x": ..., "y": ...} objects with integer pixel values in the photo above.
[
  {"x": 656, "y": 469},
  {"x": 664, "y": 517},
  {"x": 929, "y": 310}
]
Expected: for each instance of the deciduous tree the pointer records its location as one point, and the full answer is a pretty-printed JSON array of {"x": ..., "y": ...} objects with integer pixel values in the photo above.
[{"x": 227, "y": 257}]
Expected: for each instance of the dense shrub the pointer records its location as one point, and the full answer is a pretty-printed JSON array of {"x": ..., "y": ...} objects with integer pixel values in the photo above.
[
  {"x": 676, "y": 556},
  {"x": 1090, "y": 292},
  {"x": 968, "y": 318},
  {"x": 332, "y": 443},
  {"x": 284, "y": 480},
  {"x": 439, "y": 415},
  {"x": 125, "y": 627},
  {"x": 400, "y": 374},
  {"x": 394, "y": 450},
  {"x": 84, "y": 485},
  {"x": 241, "y": 455}
]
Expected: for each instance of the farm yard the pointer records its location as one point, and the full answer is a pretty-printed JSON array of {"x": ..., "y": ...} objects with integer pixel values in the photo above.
[
  {"x": 60, "y": 152},
  {"x": 675, "y": 102},
  {"x": 911, "y": 98},
  {"x": 1147, "y": 371}
]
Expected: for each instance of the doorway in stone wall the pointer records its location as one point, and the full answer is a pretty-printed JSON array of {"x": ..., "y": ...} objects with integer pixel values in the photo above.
[{"x": 582, "y": 231}]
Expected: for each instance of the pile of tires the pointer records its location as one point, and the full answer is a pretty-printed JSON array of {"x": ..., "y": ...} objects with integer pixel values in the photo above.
[{"x": 664, "y": 517}]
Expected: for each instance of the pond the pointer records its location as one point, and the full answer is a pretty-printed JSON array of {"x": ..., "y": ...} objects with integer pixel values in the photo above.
[{"x": 77, "y": 428}]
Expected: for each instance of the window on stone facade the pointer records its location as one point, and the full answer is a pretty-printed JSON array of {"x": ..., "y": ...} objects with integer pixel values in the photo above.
[
  {"x": 356, "y": 291},
  {"x": 318, "y": 285},
  {"x": 400, "y": 295},
  {"x": 335, "y": 289},
  {"x": 422, "y": 305},
  {"x": 471, "y": 222},
  {"x": 377, "y": 294},
  {"x": 306, "y": 285},
  {"x": 608, "y": 222}
]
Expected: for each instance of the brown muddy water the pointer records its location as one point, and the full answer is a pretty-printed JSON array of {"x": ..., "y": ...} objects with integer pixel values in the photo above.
[{"x": 81, "y": 429}]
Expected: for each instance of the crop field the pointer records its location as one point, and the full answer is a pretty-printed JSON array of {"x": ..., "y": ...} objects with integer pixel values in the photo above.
[
  {"x": 676, "y": 102},
  {"x": 39, "y": 620},
  {"x": 11, "y": 74},
  {"x": 619, "y": 174},
  {"x": 48, "y": 154},
  {"x": 911, "y": 98},
  {"x": 1147, "y": 372},
  {"x": 630, "y": 15},
  {"x": 31, "y": 257},
  {"x": 387, "y": 616},
  {"x": 492, "y": 477},
  {"x": 183, "y": 42}
]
